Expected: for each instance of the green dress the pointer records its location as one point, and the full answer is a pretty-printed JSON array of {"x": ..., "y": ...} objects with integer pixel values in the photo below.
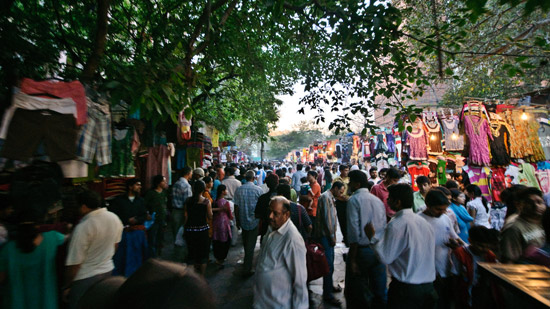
[{"x": 31, "y": 277}]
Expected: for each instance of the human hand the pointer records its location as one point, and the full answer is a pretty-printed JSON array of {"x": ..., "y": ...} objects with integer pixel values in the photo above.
[{"x": 369, "y": 230}]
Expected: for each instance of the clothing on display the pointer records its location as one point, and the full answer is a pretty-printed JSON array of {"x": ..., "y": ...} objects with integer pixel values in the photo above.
[
  {"x": 418, "y": 144},
  {"x": 477, "y": 129},
  {"x": 454, "y": 141},
  {"x": 500, "y": 154}
]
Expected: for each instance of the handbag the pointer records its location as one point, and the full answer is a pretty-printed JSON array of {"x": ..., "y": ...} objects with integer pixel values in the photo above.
[{"x": 316, "y": 261}]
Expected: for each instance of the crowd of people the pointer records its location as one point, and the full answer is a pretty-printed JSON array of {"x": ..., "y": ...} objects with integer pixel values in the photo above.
[{"x": 428, "y": 241}]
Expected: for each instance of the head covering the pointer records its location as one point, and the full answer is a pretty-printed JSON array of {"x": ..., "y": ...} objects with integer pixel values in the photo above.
[
  {"x": 354, "y": 168},
  {"x": 199, "y": 171}
]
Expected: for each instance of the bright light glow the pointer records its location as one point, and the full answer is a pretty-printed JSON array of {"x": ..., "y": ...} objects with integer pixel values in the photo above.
[
  {"x": 524, "y": 116},
  {"x": 432, "y": 137},
  {"x": 454, "y": 136}
]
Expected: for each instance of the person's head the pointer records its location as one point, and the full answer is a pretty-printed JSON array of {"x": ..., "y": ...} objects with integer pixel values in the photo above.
[
  {"x": 303, "y": 180},
  {"x": 337, "y": 189},
  {"x": 249, "y": 176},
  {"x": 424, "y": 184},
  {"x": 373, "y": 172},
  {"x": 451, "y": 184},
  {"x": 299, "y": 167},
  {"x": 383, "y": 173},
  {"x": 508, "y": 197},
  {"x": 159, "y": 182},
  {"x": 230, "y": 171},
  {"x": 272, "y": 181},
  {"x": 400, "y": 196},
  {"x": 220, "y": 173},
  {"x": 531, "y": 203},
  {"x": 198, "y": 173},
  {"x": 436, "y": 203},
  {"x": 312, "y": 176},
  {"x": 186, "y": 172},
  {"x": 280, "y": 211},
  {"x": 87, "y": 201},
  {"x": 208, "y": 182},
  {"x": 198, "y": 188},
  {"x": 473, "y": 192},
  {"x": 481, "y": 239},
  {"x": 328, "y": 175},
  {"x": 458, "y": 197},
  {"x": 445, "y": 191},
  {"x": 392, "y": 177},
  {"x": 221, "y": 191},
  {"x": 344, "y": 170},
  {"x": 370, "y": 184},
  {"x": 307, "y": 168},
  {"x": 133, "y": 186},
  {"x": 357, "y": 180},
  {"x": 284, "y": 190}
]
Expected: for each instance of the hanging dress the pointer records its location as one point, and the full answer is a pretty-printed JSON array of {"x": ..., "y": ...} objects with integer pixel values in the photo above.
[
  {"x": 544, "y": 137},
  {"x": 454, "y": 141},
  {"x": 500, "y": 146},
  {"x": 418, "y": 145},
  {"x": 435, "y": 137},
  {"x": 478, "y": 130}
]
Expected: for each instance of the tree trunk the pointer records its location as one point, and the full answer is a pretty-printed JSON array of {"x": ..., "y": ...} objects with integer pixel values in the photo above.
[
  {"x": 99, "y": 42},
  {"x": 262, "y": 151}
]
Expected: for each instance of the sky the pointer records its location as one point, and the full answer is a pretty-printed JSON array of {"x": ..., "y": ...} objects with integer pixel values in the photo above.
[{"x": 289, "y": 115}]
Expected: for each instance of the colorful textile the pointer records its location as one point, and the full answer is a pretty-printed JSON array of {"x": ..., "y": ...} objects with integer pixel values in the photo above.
[
  {"x": 123, "y": 159},
  {"x": 479, "y": 176},
  {"x": 478, "y": 130},
  {"x": 526, "y": 176},
  {"x": 418, "y": 144},
  {"x": 543, "y": 176},
  {"x": 544, "y": 137},
  {"x": 498, "y": 182},
  {"x": 222, "y": 221},
  {"x": 441, "y": 172},
  {"x": 417, "y": 169},
  {"x": 157, "y": 164},
  {"x": 73, "y": 90},
  {"x": 454, "y": 141},
  {"x": 94, "y": 139}
]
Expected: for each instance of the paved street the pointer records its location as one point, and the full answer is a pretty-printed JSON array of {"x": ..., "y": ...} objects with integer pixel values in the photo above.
[{"x": 234, "y": 291}]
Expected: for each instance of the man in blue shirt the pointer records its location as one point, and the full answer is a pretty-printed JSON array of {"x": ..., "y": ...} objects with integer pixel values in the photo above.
[
  {"x": 245, "y": 199},
  {"x": 181, "y": 191}
]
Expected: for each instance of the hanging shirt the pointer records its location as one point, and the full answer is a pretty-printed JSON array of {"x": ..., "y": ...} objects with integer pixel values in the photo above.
[
  {"x": 479, "y": 176},
  {"x": 526, "y": 176},
  {"x": 417, "y": 169}
]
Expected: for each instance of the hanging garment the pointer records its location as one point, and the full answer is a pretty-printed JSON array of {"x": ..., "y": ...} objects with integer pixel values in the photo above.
[
  {"x": 543, "y": 176},
  {"x": 417, "y": 169},
  {"x": 123, "y": 159},
  {"x": 73, "y": 90},
  {"x": 544, "y": 137},
  {"x": 479, "y": 176},
  {"x": 435, "y": 137},
  {"x": 454, "y": 141},
  {"x": 441, "y": 172},
  {"x": 526, "y": 176},
  {"x": 157, "y": 164},
  {"x": 511, "y": 175},
  {"x": 184, "y": 127},
  {"x": 398, "y": 147},
  {"x": 215, "y": 138},
  {"x": 94, "y": 139},
  {"x": 500, "y": 146},
  {"x": 520, "y": 147},
  {"x": 338, "y": 149},
  {"x": 391, "y": 142},
  {"x": 418, "y": 144},
  {"x": 538, "y": 152},
  {"x": 498, "y": 182},
  {"x": 478, "y": 130}
]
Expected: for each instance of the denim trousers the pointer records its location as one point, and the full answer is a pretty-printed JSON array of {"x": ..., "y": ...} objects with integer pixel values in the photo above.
[
  {"x": 368, "y": 288},
  {"x": 327, "y": 280}
]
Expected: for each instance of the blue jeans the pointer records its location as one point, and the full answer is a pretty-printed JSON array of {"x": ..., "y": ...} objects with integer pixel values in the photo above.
[
  {"x": 327, "y": 280},
  {"x": 372, "y": 278}
]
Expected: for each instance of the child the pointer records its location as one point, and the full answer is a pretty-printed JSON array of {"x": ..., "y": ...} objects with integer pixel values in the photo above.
[
  {"x": 304, "y": 199},
  {"x": 465, "y": 261}
]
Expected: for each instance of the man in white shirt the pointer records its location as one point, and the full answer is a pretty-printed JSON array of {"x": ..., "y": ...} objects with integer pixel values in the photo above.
[
  {"x": 92, "y": 246},
  {"x": 363, "y": 268},
  {"x": 299, "y": 174},
  {"x": 281, "y": 272},
  {"x": 446, "y": 239},
  {"x": 230, "y": 182},
  {"x": 407, "y": 246}
]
